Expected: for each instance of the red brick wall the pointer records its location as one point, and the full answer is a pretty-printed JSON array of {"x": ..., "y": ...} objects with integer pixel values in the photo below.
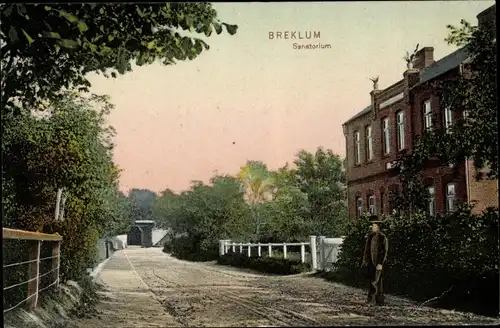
[
  {"x": 482, "y": 193},
  {"x": 433, "y": 175}
]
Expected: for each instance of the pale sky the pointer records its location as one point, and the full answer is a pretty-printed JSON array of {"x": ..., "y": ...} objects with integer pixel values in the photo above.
[{"x": 178, "y": 123}]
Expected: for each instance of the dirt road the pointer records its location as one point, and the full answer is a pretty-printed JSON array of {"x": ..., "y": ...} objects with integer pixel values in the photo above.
[{"x": 147, "y": 288}]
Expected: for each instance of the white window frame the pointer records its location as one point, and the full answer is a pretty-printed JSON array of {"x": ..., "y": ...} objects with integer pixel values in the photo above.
[
  {"x": 386, "y": 128},
  {"x": 448, "y": 118},
  {"x": 451, "y": 197},
  {"x": 372, "y": 209},
  {"x": 359, "y": 207},
  {"x": 357, "y": 148},
  {"x": 431, "y": 205},
  {"x": 369, "y": 143},
  {"x": 400, "y": 129},
  {"x": 427, "y": 115}
]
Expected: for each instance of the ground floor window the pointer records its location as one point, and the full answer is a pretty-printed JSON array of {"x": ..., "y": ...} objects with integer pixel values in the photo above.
[
  {"x": 431, "y": 205},
  {"x": 450, "y": 197},
  {"x": 359, "y": 207},
  {"x": 371, "y": 205}
]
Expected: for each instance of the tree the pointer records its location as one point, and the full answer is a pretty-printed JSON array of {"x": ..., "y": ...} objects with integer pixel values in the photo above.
[
  {"x": 68, "y": 148},
  {"x": 48, "y": 48},
  {"x": 474, "y": 136},
  {"x": 143, "y": 200},
  {"x": 321, "y": 176},
  {"x": 258, "y": 188},
  {"x": 288, "y": 213},
  {"x": 203, "y": 215}
]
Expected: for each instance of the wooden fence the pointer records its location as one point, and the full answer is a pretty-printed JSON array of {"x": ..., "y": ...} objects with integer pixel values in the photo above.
[{"x": 35, "y": 240}]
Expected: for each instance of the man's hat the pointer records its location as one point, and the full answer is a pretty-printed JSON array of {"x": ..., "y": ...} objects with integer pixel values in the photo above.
[{"x": 375, "y": 220}]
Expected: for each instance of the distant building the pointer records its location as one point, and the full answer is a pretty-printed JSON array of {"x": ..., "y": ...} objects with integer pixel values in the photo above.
[{"x": 378, "y": 133}]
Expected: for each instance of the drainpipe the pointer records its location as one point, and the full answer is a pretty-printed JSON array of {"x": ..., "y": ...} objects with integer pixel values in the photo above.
[{"x": 467, "y": 182}]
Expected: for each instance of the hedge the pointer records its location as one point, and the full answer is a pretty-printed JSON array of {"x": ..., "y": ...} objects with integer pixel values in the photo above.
[
  {"x": 273, "y": 265},
  {"x": 455, "y": 254},
  {"x": 191, "y": 248}
]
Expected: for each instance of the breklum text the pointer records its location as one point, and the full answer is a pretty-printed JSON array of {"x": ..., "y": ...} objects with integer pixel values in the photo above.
[{"x": 294, "y": 35}]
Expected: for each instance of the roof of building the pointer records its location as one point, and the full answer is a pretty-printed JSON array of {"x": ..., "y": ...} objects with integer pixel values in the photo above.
[
  {"x": 443, "y": 65},
  {"x": 363, "y": 112},
  {"x": 434, "y": 70}
]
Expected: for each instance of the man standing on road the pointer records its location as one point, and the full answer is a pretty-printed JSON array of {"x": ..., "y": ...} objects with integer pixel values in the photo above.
[{"x": 374, "y": 258}]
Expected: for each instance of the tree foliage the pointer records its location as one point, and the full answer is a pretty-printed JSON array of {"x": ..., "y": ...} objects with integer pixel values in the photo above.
[
  {"x": 49, "y": 47},
  {"x": 69, "y": 148},
  {"x": 257, "y": 205},
  {"x": 257, "y": 186},
  {"x": 322, "y": 177}
]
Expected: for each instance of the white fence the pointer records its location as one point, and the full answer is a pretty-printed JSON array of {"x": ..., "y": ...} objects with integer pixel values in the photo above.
[{"x": 323, "y": 252}]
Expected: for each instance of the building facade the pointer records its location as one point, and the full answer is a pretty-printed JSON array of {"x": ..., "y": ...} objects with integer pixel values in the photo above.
[{"x": 387, "y": 127}]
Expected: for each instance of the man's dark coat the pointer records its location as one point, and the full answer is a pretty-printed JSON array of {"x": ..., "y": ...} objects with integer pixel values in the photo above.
[{"x": 376, "y": 249}]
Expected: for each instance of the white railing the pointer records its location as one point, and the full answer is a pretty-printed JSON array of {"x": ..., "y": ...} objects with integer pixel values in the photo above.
[
  {"x": 35, "y": 240},
  {"x": 323, "y": 251},
  {"x": 226, "y": 245}
]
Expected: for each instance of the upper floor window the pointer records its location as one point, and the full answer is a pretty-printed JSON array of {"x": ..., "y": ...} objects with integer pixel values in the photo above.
[
  {"x": 450, "y": 197},
  {"x": 431, "y": 205},
  {"x": 357, "y": 150},
  {"x": 400, "y": 129},
  {"x": 448, "y": 118},
  {"x": 371, "y": 205},
  {"x": 369, "y": 143},
  {"x": 359, "y": 207},
  {"x": 386, "y": 140},
  {"x": 427, "y": 114}
]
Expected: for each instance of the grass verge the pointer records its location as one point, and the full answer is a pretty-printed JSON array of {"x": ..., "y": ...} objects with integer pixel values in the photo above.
[{"x": 56, "y": 307}]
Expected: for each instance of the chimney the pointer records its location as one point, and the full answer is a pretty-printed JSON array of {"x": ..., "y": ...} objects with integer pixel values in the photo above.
[
  {"x": 412, "y": 78},
  {"x": 487, "y": 20},
  {"x": 423, "y": 58}
]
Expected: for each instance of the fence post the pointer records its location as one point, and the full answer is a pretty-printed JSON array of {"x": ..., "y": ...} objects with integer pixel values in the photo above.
[
  {"x": 259, "y": 250},
  {"x": 241, "y": 248},
  {"x": 322, "y": 261},
  {"x": 303, "y": 252},
  {"x": 221, "y": 247},
  {"x": 233, "y": 247},
  {"x": 56, "y": 261},
  {"x": 284, "y": 250},
  {"x": 249, "y": 250},
  {"x": 269, "y": 250},
  {"x": 312, "y": 246},
  {"x": 226, "y": 246},
  {"x": 33, "y": 272}
]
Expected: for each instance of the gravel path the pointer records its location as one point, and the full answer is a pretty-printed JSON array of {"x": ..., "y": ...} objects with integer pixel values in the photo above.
[{"x": 147, "y": 288}]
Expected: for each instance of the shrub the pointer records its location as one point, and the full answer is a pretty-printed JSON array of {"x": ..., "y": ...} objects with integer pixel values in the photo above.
[
  {"x": 190, "y": 248},
  {"x": 273, "y": 265},
  {"x": 428, "y": 256}
]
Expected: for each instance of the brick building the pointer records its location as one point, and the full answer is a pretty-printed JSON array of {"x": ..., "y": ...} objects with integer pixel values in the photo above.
[{"x": 376, "y": 135}]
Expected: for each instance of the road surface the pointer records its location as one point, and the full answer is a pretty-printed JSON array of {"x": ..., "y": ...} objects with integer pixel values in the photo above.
[{"x": 148, "y": 288}]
